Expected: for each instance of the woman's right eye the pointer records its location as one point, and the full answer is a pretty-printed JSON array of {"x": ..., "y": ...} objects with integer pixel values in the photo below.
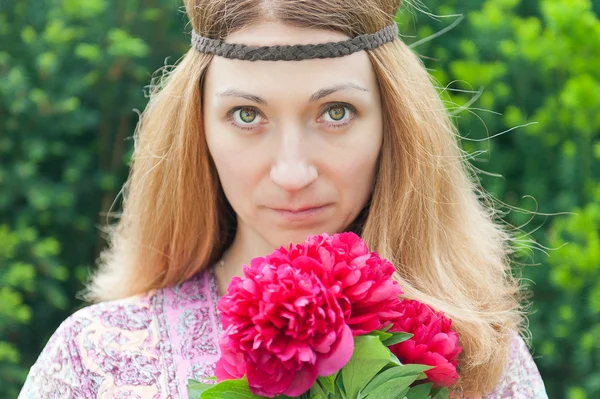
[{"x": 245, "y": 117}]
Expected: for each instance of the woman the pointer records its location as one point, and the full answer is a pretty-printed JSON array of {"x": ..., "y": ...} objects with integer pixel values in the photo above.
[{"x": 234, "y": 158}]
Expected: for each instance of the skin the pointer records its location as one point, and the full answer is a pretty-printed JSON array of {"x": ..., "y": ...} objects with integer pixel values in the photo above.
[{"x": 295, "y": 143}]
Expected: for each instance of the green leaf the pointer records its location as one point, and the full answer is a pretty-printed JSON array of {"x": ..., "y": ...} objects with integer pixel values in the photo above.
[
  {"x": 402, "y": 376},
  {"x": 369, "y": 357},
  {"x": 439, "y": 393},
  {"x": 196, "y": 388},
  {"x": 327, "y": 384},
  {"x": 8, "y": 353},
  {"x": 382, "y": 335},
  {"x": 396, "y": 338},
  {"x": 125, "y": 45},
  {"x": 340, "y": 389},
  {"x": 229, "y": 389},
  {"x": 410, "y": 369},
  {"x": 391, "y": 389},
  {"x": 420, "y": 391},
  {"x": 394, "y": 360},
  {"x": 89, "y": 52},
  {"x": 317, "y": 392}
]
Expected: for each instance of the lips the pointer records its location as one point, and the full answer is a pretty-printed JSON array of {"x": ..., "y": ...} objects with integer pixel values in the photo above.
[
  {"x": 301, "y": 214},
  {"x": 300, "y": 209}
]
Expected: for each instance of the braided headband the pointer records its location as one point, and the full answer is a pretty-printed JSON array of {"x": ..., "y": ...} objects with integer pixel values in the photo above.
[{"x": 295, "y": 52}]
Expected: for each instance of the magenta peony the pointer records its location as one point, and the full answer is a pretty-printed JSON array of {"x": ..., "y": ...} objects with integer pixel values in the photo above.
[
  {"x": 434, "y": 343},
  {"x": 293, "y": 316},
  {"x": 232, "y": 364},
  {"x": 365, "y": 283},
  {"x": 283, "y": 324}
]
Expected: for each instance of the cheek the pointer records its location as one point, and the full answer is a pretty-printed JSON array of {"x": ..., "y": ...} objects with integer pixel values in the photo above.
[
  {"x": 239, "y": 168},
  {"x": 233, "y": 175},
  {"x": 353, "y": 170},
  {"x": 361, "y": 166},
  {"x": 357, "y": 174}
]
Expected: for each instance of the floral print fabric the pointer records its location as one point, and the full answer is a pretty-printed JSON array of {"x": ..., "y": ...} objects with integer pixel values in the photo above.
[{"x": 148, "y": 346}]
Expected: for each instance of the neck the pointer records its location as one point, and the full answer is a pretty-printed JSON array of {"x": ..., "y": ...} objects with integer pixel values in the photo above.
[{"x": 246, "y": 246}]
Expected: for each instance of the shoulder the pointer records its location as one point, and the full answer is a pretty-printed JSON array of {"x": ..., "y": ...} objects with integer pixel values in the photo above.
[
  {"x": 129, "y": 314},
  {"x": 73, "y": 362},
  {"x": 521, "y": 377},
  {"x": 133, "y": 347}
]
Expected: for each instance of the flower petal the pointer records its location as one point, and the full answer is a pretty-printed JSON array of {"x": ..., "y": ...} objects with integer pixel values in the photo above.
[
  {"x": 304, "y": 379},
  {"x": 339, "y": 356}
]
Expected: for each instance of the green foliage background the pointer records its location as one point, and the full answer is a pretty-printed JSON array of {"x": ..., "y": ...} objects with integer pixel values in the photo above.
[{"x": 72, "y": 75}]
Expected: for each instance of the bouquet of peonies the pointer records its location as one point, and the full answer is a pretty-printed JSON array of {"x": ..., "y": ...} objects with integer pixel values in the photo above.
[{"x": 324, "y": 320}]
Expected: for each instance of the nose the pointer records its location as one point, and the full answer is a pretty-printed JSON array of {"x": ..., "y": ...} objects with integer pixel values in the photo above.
[{"x": 292, "y": 169}]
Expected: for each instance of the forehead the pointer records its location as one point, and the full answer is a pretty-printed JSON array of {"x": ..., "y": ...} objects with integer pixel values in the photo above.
[{"x": 288, "y": 76}]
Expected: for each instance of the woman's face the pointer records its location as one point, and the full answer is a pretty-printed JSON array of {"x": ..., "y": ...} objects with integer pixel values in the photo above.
[{"x": 295, "y": 143}]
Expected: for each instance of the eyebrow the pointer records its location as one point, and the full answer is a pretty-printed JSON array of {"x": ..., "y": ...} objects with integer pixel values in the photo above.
[
  {"x": 332, "y": 89},
  {"x": 319, "y": 94}
]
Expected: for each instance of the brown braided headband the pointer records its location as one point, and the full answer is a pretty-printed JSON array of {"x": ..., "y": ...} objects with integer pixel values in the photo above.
[{"x": 295, "y": 52}]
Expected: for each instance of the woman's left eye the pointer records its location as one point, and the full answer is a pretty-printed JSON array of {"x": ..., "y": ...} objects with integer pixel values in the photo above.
[{"x": 338, "y": 114}]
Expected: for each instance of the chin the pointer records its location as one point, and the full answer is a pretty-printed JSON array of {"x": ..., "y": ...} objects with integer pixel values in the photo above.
[{"x": 284, "y": 238}]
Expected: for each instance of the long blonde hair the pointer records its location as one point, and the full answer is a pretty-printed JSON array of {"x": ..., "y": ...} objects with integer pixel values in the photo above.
[{"x": 427, "y": 214}]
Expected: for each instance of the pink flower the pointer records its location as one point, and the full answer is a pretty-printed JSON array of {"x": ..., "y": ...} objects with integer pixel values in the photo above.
[
  {"x": 366, "y": 283},
  {"x": 365, "y": 289},
  {"x": 231, "y": 365},
  {"x": 434, "y": 342},
  {"x": 283, "y": 324}
]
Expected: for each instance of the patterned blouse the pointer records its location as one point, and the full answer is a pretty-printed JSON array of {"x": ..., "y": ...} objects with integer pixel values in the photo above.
[{"x": 148, "y": 346}]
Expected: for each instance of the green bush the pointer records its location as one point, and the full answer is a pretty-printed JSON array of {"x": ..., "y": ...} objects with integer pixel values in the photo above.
[
  {"x": 536, "y": 65},
  {"x": 73, "y": 74}
]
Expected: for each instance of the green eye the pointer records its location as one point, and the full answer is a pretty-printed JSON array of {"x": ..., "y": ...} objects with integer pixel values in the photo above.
[
  {"x": 247, "y": 118},
  {"x": 247, "y": 115},
  {"x": 337, "y": 113}
]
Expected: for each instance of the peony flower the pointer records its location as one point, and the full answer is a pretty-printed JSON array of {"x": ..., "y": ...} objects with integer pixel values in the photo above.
[
  {"x": 434, "y": 342},
  {"x": 365, "y": 288},
  {"x": 366, "y": 283},
  {"x": 283, "y": 324},
  {"x": 231, "y": 365}
]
